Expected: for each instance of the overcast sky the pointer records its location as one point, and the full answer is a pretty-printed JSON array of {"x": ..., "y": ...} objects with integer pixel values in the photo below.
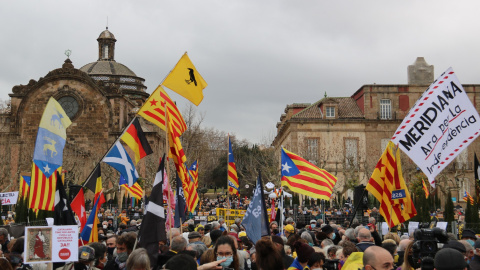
[{"x": 256, "y": 56}]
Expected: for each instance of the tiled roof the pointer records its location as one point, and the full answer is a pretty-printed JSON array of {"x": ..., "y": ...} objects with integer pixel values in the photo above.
[
  {"x": 107, "y": 68},
  {"x": 347, "y": 108}
]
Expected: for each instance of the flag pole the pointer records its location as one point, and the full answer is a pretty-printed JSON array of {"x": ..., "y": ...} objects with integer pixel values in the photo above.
[{"x": 109, "y": 149}]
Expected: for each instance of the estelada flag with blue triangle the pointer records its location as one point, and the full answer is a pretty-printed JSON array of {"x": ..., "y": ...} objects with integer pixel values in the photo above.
[{"x": 305, "y": 178}]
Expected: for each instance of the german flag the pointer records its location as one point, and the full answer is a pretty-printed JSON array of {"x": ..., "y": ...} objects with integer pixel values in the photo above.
[
  {"x": 386, "y": 178},
  {"x": 94, "y": 183},
  {"x": 425, "y": 188},
  {"x": 42, "y": 190},
  {"x": 135, "y": 139},
  {"x": 153, "y": 110},
  {"x": 305, "y": 178}
]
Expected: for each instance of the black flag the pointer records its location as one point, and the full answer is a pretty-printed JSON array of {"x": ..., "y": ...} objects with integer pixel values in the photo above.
[
  {"x": 180, "y": 204},
  {"x": 63, "y": 212},
  {"x": 152, "y": 229}
]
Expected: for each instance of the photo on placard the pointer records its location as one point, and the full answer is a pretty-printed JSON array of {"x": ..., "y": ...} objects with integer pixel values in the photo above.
[{"x": 38, "y": 244}]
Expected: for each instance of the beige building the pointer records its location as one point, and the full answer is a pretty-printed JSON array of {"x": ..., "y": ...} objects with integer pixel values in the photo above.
[{"x": 347, "y": 135}]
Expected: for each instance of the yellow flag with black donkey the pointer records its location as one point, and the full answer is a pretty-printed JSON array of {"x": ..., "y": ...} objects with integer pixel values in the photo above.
[{"x": 186, "y": 81}]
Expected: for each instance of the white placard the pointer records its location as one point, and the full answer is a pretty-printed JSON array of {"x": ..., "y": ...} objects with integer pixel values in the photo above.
[
  {"x": 65, "y": 243},
  {"x": 51, "y": 244},
  {"x": 384, "y": 228},
  {"x": 442, "y": 225},
  {"x": 9, "y": 197},
  {"x": 412, "y": 226},
  {"x": 441, "y": 124}
]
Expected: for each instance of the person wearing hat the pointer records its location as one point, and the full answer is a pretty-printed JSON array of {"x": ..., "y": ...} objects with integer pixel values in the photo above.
[
  {"x": 328, "y": 230},
  {"x": 304, "y": 252},
  {"x": 450, "y": 259},
  {"x": 195, "y": 238},
  {"x": 86, "y": 257},
  {"x": 313, "y": 224},
  {"x": 288, "y": 230},
  {"x": 470, "y": 236},
  {"x": 475, "y": 262}
]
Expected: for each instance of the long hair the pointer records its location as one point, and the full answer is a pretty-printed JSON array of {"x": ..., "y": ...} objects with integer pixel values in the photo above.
[
  {"x": 406, "y": 264},
  {"x": 268, "y": 256},
  {"x": 226, "y": 240}
]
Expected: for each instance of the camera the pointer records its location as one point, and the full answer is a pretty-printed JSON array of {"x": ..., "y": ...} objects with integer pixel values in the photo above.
[
  {"x": 331, "y": 264},
  {"x": 426, "y": 246}
]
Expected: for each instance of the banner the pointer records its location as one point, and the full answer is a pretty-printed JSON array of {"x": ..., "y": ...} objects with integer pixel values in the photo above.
[
  {"x": 9, "y": 198},
  {"x": 441, "y": 124}
]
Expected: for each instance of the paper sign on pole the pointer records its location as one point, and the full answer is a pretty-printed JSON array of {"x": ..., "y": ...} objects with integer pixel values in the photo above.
[
  {"x": 9, "y": 197},
  {"x": 441, "y": 124}
]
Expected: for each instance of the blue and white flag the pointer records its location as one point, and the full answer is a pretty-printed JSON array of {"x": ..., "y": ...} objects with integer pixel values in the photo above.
[
  {"x": 121, "y": 161},
  {"x": 51, "y": 138},
  {"x": 255, "y": 220}
]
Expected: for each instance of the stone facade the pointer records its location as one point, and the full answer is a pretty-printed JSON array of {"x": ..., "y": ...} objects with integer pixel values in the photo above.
[
  {"x": 347, "y": 135},
  {"x": 99, "y": 112}
]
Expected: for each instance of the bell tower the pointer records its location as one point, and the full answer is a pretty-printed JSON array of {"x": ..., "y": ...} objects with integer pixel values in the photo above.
[{"x": 106, "y": 46}]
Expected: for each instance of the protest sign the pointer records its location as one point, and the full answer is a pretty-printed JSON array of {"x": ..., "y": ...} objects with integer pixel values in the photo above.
[
  {"x": 9, "y": 198},
  {"x": 51, "y": 244},
  {"x": 441, "y": 124}
]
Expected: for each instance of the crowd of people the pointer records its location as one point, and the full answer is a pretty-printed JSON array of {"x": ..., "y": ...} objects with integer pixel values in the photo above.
[{"x": 291, "y": 245}]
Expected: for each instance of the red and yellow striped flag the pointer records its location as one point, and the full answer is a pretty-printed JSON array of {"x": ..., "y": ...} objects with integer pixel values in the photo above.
[
  {"x": 153, "y": 110},
  {"x": 425, "y": 188},
  {"x": 24, "y": 186},
  {"x": 470, "y": 198},
  {"x": 232, "y": 178},
  {"x": 136, "y": 191},
  {"x": 386, "y": 178},
  {"x": 42, "y": 190},
  {"x": 305, "y": 178}
]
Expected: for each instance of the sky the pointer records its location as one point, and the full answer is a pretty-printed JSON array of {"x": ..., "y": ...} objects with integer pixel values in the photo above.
[{"x": 256, "y": 56}]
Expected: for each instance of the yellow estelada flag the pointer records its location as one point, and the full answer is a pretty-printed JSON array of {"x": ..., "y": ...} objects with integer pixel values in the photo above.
[{"x": 186, "y": 81}]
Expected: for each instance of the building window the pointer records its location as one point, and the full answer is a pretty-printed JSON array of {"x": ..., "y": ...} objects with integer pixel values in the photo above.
[
  {"x": 330, "y": 112},
  {"x": 385, "y": 109},
  {"x": 351, "y": 153},
  {"x": 462, "y": 160},
  {"x": 105, "y": 51},
  {"x": 312, "y": 150}
]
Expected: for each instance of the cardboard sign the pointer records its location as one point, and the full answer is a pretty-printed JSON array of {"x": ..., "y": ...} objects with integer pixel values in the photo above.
[
  {"x": 9, "y": 198},
  {"x": 441, "y": 124},
  {"x": 65, "y": 244}
]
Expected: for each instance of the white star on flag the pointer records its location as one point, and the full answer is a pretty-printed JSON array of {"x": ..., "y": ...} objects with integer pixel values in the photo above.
[
  {"x": 46, "y": 169},
  {"x": 285, "y": 167}
]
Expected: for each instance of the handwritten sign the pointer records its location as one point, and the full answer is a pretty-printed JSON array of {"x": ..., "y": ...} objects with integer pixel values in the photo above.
[{"x": 441, "y": 124}]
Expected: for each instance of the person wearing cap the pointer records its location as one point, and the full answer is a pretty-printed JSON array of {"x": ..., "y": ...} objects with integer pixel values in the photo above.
[
  {"x": 288, "y": 230},
  {"x": 450, "y": 259},
  {"x": 475, "y": 261},
  {"x": 470, "y": 236},
  {"x": 195, "y": 238},
  {"x": 313, "y": 224},
  {"x": 279, "y": 244},
  {"x": 86, "y": 257},
  {"x": 304, "y": 252}
]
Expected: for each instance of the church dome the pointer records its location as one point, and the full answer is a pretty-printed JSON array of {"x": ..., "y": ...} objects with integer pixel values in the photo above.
[{"x": 110, "y": 72}]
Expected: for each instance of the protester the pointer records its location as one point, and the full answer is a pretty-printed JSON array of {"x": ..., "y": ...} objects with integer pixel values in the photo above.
[
  {"x": 138, "y": 260},
  {"x": 450, "y": 259},
  {"x": 304, "y": 251},
  {"x": 125, "y": 244},
  {"x": 100, "y": 254},
  {"x": 177, "y": 245},
  {"x": 377, "y": 258},
  {"x": 225, "y": 249},
  {"x": 268, "y": 255}
]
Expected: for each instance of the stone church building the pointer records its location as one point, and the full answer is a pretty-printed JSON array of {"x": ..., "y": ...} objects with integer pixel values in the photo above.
[
  {"x": 100, "y": 98},
  {"x": 347, "y": 135}
]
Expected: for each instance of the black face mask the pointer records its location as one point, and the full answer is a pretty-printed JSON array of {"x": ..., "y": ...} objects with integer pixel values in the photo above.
[{"x": 110, "y": 250}]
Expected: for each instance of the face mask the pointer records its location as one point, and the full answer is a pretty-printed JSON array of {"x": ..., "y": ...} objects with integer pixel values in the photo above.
[
  {"x": 110, "y": 250},
  {"x": 471, "y": 242},
  {"x": 104, "y": 226},
  {"x": 313, "y": 226},
  {"x": 333, "y": 236},
  {"x": 227, "y": 262},
  {"x": 122, "y": 257}
]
